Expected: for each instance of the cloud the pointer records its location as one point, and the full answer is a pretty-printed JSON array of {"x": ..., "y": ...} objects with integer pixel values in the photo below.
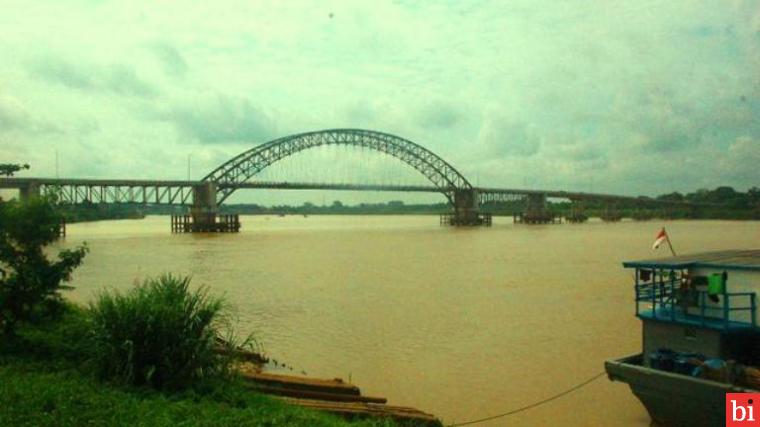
[
  {"x": 362, "y": 111},
  {"x": 12, "y": 114},
  {"x": 615, "y": 97},
  {"x": 220, "y": 119},
  {"x": 171, "y": 59},
  {"x": 118, "y": 79},
  {"x": 15, "y": 117},
  {"x": 743, "y": 159},
  {"x": 501, "y": 136},
  {"x": 438, "y": 115}
]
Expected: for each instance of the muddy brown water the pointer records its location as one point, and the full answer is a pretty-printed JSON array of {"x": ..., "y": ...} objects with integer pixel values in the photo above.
[{"x": 463, "y": 323}]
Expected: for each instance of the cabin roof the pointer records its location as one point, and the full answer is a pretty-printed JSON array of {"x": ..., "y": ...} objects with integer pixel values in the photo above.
[{"x": 748, "y": 259}]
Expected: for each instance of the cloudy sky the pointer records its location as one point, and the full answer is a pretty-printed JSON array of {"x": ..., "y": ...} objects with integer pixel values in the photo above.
[{"x": 634, "y": 97}]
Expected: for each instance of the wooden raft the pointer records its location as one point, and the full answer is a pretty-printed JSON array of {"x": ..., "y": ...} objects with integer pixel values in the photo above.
[{"x": 334, "y": 396}]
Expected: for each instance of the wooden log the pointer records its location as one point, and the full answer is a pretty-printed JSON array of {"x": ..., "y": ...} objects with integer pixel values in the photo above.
[
  {"x": 316, "y": 395},
  {"x": 335, "y": 386},
  {"x": 360, "y": 409}
]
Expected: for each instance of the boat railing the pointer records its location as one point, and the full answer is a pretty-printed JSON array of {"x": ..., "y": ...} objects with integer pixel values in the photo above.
[
  {"x": 665, "y": 300},
  {"x": 654, "y": 291}
]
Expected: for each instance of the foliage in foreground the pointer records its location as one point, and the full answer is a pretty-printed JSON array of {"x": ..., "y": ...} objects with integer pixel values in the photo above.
[
  {"x": 34, "y": 397},
  {"x": 160, "y": 334},
  {"x": 45, "y": 380},
  {"x": 29, "y": 281}
]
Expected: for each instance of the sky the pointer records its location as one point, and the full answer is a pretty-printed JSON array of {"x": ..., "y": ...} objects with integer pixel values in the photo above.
[{"x": 626, "y": 97}]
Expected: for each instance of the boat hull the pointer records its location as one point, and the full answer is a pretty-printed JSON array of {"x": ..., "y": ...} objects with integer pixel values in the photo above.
[{"x": 673, "y": 399}]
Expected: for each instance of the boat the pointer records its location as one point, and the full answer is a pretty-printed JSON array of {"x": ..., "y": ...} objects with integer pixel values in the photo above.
[{"x": 700, "y": 335}]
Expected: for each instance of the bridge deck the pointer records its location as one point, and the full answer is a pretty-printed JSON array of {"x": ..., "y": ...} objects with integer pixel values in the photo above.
[{"x": 180, "y": 191}]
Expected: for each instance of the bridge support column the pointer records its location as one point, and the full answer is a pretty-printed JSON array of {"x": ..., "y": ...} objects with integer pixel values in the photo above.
[
  {"x": 466, "y": 210},
  {"x": 32, "y": 190},
  {"x": 577, "y": 212},
  {"x": 28, "y": 191},
  {"x": 536, "y": 211},
  {"x": 204, "y": 209},
  {"x": 204, "y": 214}
]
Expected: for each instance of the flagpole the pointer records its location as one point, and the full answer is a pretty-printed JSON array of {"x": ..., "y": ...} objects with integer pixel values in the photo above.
[{"x": 670, "y": 245}]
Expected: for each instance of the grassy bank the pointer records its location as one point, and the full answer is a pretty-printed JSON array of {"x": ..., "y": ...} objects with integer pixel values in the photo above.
[
  {"x": 46, "y": 379},
  {"x": 158, "y": 354}
]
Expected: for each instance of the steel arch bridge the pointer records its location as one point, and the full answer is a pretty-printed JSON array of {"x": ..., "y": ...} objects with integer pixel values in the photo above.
[
  {"x": 203, "y": 197},
  {"x": 230, "y": 175}
]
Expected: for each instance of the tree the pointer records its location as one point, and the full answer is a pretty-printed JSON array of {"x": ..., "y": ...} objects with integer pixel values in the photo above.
[
  {"x": 29, "y": 281},
  {"x": 674, "y": 196},
  {"x": 8, "y": 169}
]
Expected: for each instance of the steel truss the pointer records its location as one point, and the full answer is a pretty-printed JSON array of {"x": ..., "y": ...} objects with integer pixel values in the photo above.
[
  {"x": 115, "y": 193},
  {"x": 247, "y": 164}
]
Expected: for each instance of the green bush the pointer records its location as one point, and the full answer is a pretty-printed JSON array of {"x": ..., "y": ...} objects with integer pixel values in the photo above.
[
  {"x": 159, "y": 334},
  {"x": 29, "y": 281},
  {"x": 65, "y": 339}
]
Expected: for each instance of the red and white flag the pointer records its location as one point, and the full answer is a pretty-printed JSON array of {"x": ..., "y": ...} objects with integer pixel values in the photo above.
[{"x": 661, "y": 237}]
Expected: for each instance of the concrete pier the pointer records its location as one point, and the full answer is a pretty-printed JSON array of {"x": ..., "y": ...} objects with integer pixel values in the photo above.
[
  {"x": 213, "y": 223},
  {"x": 577, "y": 214},
  {"x": 611, "y": 214},
  {"x": 204, "y": 214},
  {"x": 28, "y": 190},
  {"x": 466, "y": 210},
  {"x": 536, "y": 211}
]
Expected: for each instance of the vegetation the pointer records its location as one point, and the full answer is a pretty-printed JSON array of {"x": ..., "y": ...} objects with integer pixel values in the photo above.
[
  {"x": 721, "y": 203},
  {"x": 30, "y": 283},
  {"x": 393, "y": 207},
  {"x": 97, "y": 212},
  {"x": 155, "y": 346},
  {"x": 726, "y": 198},
  {"x": 46, "y": 379},
  {"x": 9, "y": 169},
  {"x": 160, "y": 334}
]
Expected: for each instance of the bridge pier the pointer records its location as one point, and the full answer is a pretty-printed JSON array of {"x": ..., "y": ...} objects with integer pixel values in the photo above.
[
  {"x": 29, "y": 190},
  {"x": 536, "y": 211},
  {"x": 577, "y": 214},
  {"x": 466, "y": 210},
  {"x": 204, "y": 214}
]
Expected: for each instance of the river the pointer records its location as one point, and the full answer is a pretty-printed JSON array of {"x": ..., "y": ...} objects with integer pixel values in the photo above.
[{"x": 463, "y": 323}]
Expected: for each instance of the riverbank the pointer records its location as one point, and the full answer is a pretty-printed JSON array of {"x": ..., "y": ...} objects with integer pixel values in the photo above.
[{"x": 46, "y": 380}]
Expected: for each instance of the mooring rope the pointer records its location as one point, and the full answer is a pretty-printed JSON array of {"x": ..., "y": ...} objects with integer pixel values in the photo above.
[{"x": 532, "y": 405}]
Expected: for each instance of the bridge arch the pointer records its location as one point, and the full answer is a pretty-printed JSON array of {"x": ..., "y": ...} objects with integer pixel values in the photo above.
[{"x": 245, "y": 165}]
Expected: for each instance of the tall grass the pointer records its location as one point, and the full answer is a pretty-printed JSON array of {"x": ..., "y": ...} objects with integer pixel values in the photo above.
[{"x": 160, "y": 334}]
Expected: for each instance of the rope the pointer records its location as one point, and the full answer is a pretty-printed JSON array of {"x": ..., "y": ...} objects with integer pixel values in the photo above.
[{"x": 532, "y": 405}]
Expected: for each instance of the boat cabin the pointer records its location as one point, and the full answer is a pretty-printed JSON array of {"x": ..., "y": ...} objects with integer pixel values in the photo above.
[{"x": 702, "y": 303}]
